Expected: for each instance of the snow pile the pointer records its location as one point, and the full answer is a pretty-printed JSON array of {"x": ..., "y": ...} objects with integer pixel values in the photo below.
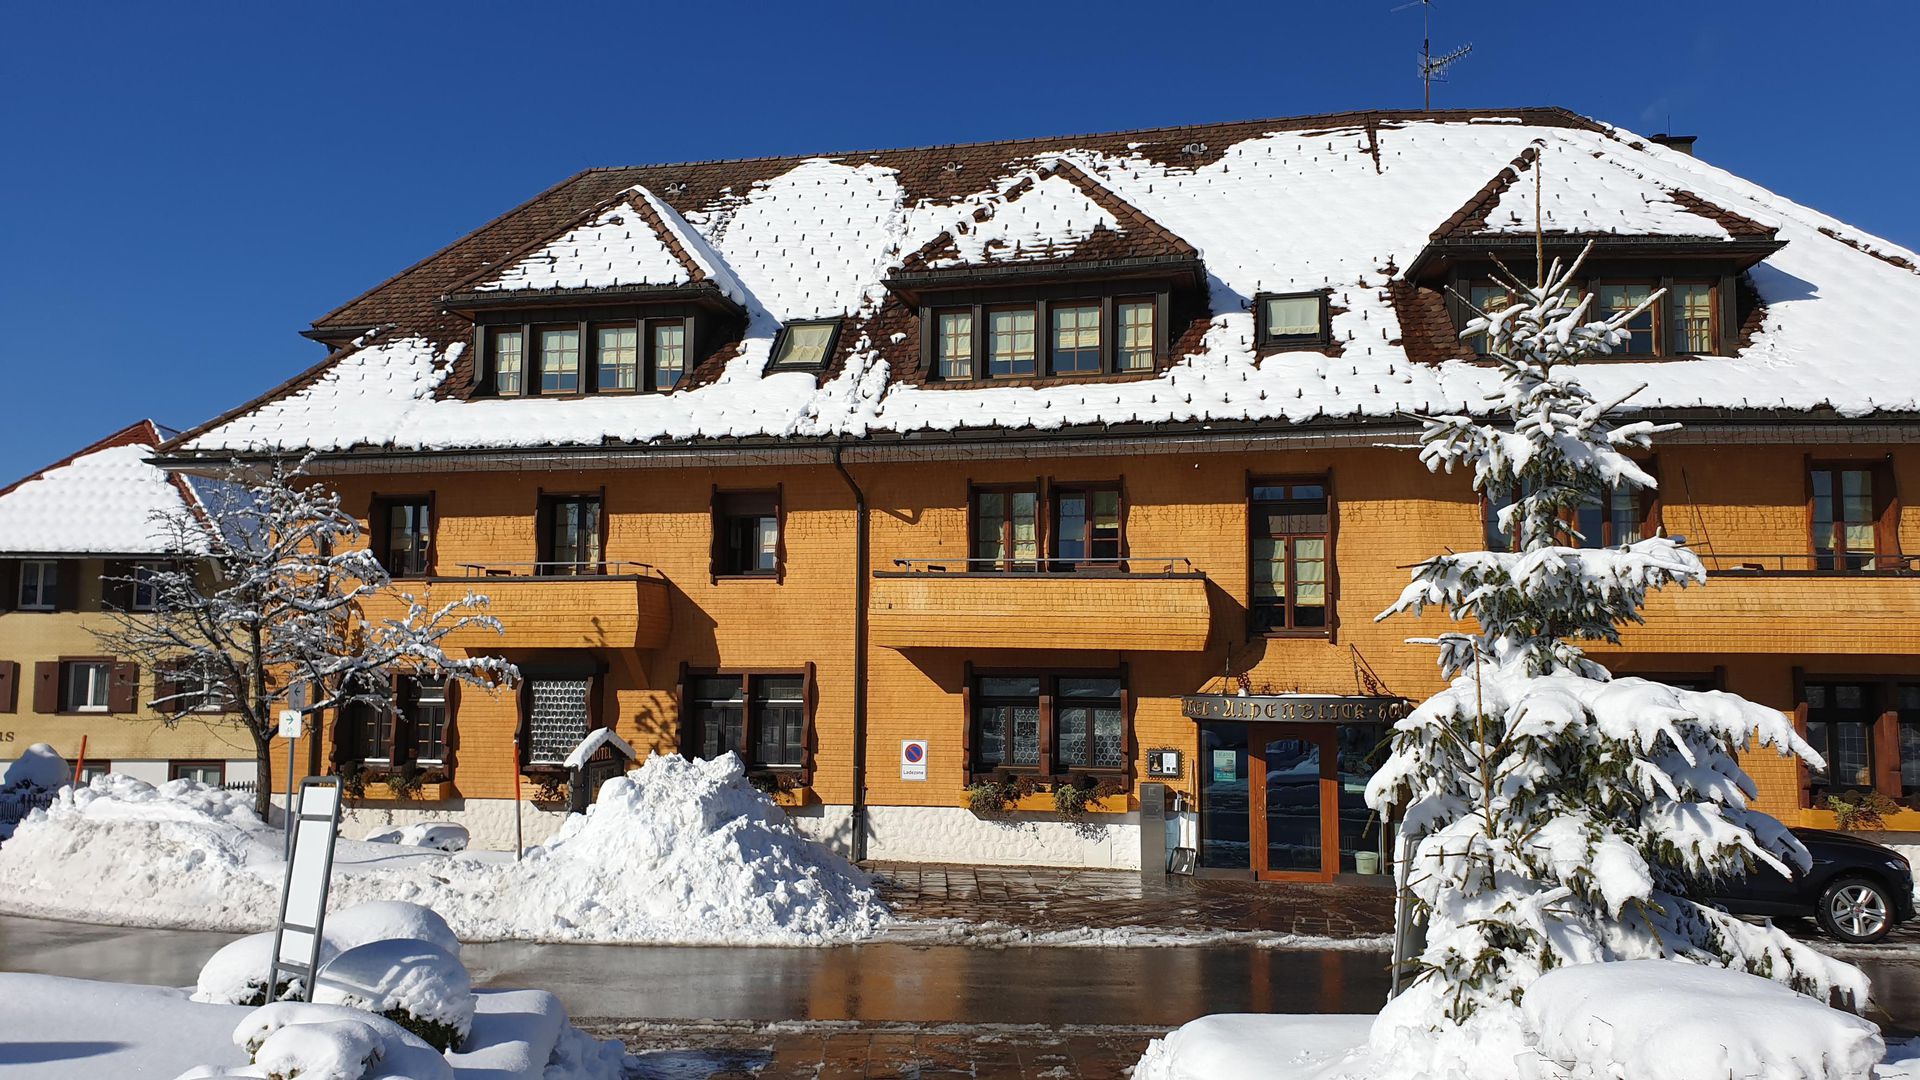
[
  {"x": 420, "y": 986},
  {"x": 39, "y": 766},
  {"x": 1657, "y": 1020},
  {"x": 1631, "y": 1020},
  {"x": 332, "y": 1042},
  {"x": 438, "y": 835},
  {"x": 676, "y": 851},
  {"x": 686, "y": 850},
  {"x": 237, "y": 974}
]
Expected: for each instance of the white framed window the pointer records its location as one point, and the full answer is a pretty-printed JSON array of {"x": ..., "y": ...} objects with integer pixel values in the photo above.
[
  {"x": 87, "y": 685},
  {"x": 806, "y": 345},
  {"x": 39, "y": 583}
]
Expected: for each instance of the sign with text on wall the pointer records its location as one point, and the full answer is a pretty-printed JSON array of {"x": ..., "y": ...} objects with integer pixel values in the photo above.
[{"x": 913, "y": 759}]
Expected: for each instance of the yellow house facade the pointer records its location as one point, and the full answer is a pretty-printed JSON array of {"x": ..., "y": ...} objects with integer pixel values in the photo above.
[
  {"x": 73, "y": 538},
  {"x": 941, "y": 485}
]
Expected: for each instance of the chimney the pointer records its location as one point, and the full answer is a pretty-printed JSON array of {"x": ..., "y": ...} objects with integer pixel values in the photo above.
[{"x": 1682, "y": 143}]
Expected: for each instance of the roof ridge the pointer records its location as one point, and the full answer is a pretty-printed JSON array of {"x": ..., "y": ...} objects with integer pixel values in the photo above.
[
  {"x": 126, "y": 436},
  {"x": 1129, "y": 215},
  {"x": 1566, "y": 117}
]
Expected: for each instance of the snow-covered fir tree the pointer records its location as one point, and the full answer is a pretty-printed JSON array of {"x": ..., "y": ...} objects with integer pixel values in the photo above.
[
  {"x": 264, "y": 613},
  {"x": 1553, "y": 814}
]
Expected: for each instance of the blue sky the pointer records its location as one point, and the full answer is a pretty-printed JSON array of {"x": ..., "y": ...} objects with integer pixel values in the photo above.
[{"x": 189, "y": 185}]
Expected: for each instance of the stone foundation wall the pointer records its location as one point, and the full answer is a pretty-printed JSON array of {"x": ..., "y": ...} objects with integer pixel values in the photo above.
[{"x": 958, "y": 835}]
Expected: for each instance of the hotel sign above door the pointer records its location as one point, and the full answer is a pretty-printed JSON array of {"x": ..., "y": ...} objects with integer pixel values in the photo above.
[{"x": 1296, "y": 708}]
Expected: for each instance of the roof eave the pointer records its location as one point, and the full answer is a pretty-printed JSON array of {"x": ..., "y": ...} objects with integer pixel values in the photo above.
[
  {"x": 706, "y": 293},
  {"x": 1743, "y": 253},
  {"x": 1187, "y": 270}
]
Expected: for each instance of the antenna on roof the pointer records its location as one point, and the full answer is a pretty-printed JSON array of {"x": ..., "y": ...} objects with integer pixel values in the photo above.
[{"x": 1433, "y": 68}]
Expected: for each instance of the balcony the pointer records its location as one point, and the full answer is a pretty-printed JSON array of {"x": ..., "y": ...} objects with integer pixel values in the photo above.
[
  {"x": 1146, "y": 604},
  {"x": 548, "y": 605},
  {"x": 1786, "y": 604}
]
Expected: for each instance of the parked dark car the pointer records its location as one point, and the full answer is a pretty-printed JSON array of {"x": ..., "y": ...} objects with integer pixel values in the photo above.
[{"x": 1856, "y": 889}]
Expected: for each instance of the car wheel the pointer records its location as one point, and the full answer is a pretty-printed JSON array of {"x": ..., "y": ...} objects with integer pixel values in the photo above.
[{"x": 1856, "y": 910}]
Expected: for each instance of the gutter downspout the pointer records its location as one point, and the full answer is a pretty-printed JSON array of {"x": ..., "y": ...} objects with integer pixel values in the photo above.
[{"x": 862, "y": 584}]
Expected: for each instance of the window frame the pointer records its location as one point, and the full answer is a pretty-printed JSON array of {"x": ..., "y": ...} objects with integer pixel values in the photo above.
[
  {"x": 380, "y": 526},
  {"x": 1647, "y": 503},
  {"x": 1106, "y": 359},
  {"x": 1041, "y": 300},
  {"x": 1289, "y": 627},
  {"x": 783, "y": 339},
  {"x": 580, "y": 383},
  {"x": 722, "y": 516},
  {"x": 174, "y": 768},
  {"x": 1886, "y": 514},
  {"x": 1266, "y": 344},
  {"x": 66, "y": 699},
  {"x": 593, "y": 674},
  {"x": 1723, "y": 287},
  {"x": 1046, "y": 493},
  {"x": 1883, "y": 723},
  {"x": 588, "y": 322},
  {"x": 544, "y": 540},
  {"x": 140, "y": 578},
  {"x": 1038, "y": 358},
  {"x": 747, "y": 748},
  {"x": 1049, "y": 765},
  {"x": 46, "y": 585},
  {"x": 1053, "y": 495}
]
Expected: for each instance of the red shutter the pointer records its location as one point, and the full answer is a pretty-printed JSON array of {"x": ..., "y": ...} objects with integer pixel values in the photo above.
[
  {"x": 46, "y": 686},
  {"x": 1129, "y": 746},
  {"x": 166, "y": 685},
  {"x": 713, "y": 545},
  {"x": 123, "y": 689},
  {"x": 809, "y": 690},
  {"x": 966, "y": 721},
  {"x": 66, "y": 586},
  {"x": 9, "y": 685}
]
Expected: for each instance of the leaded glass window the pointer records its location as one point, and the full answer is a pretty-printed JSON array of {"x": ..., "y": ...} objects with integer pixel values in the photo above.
[{"x": 557, "y": 719}]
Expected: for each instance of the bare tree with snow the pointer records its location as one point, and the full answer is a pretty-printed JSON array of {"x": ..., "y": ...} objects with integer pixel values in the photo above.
[
  {"x": 1553, "y": 814},
  {"x": 265, "y": 614}
]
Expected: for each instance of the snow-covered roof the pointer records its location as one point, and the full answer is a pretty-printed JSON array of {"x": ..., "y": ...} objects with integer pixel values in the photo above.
[
  {"x": 1341, "y": 204},
  {"x": 100, "y": 501}
]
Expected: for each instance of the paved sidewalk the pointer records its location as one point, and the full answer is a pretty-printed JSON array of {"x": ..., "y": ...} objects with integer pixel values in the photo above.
[
  {"x": 826, "y": 1051},
  {"x": 1052, "y": 899}
]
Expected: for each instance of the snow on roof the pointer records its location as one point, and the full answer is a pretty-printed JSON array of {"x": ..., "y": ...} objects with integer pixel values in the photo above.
[
  {"x": 100, "y": 501},
  {"x": 1342, "y": 208},
  {"x": 637, "y": 240}
]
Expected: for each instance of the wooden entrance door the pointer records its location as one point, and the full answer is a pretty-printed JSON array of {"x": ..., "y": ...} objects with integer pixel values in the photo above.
[{"x": 1294, "y": 794}]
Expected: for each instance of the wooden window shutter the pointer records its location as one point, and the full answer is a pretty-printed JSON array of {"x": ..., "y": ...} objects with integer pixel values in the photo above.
[
  {"x": 1886, "y": 743},
  {"x": 682, "y": 717},
  {"x": 433, "y": 546},
  {"x": 1129, "y": 747},
  {"x": 123, "y": 687},
  {"x": 715, "y": 528},
  {"x": 46, "y": 686},
  {"x": 66, "y": 587},
  {"x": 9, "y": 584},
  {"x": 165, "y": 685},
  {"x": 1800, "y": 727},
  {"x": 479, "y": 354},
  {"x": 9, "y": 686},
  {"x": 1048, "y": 685},
  {"x": 377, "y": 531},
  {"x": 780, "y": 533},
  {"x": 542, "y": 531},
  {"x": 1887, "y": 525},
  {"x": 809, "y": 699},
  {"x": 602, "y": 518},
  {"x": 966, "y": 721},
  {"x": 1651, "y": 503},
  {"x": 1332, "y": 571}
]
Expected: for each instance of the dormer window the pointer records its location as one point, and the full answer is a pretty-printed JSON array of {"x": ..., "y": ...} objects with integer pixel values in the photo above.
[
  {"x": 805, "y": 346},
  {"x": 1068, "y": 337},
  {"x": 1486, "y": 299},
  {"x": 603, "y": 356},
  {"x": 1290, "y": 321},
  {"x": 1683, "y": 323}
]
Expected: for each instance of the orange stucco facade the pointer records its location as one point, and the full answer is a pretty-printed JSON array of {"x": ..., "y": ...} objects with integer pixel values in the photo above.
[{"x": 1176, "y": 624}]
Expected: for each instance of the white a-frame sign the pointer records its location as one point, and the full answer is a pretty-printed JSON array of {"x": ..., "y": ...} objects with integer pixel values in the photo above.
[{"x": 303, "y": 900}]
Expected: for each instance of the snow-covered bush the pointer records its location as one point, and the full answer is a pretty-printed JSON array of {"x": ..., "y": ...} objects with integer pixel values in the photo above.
[
  {"x": 1556, "y": 815},
  {"x": 419, "y": 986},
  {"x": 385, "y": 920},
  {"x": 39, "y": 766},
  {"x": 1661, "y": 1020},
  {"x": 294, "y": 1040},
  {"x": 237, "y": 974}
]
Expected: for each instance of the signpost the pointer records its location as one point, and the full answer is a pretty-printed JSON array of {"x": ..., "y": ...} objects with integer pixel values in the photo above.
[
  {"x": 913, "y": 759},
  {"x": 303, "y": 899},
  {"x": 289, "y": 730}
]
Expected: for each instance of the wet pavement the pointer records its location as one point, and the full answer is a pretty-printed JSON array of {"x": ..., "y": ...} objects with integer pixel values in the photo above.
[
  {"x": 876, "y": 982},
  {"x": 1051, "y": 900},
  {"x": 920, "y": 1051}
]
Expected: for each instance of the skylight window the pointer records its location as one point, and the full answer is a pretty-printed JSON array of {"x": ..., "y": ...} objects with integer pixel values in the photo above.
[
  {"x": 1290, "y": 320},
  {"x": 805, "y": 346}
]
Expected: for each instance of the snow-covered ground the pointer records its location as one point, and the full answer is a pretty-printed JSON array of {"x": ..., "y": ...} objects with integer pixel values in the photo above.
[
  {"x": 1637, "y": 1020},
  {"x": 675, "y": 852}
]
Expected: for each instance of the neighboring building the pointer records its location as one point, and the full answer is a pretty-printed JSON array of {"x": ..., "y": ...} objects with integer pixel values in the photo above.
[
  {"x": 1040, "y": 452},
  {"x": 74, "y": 538}
]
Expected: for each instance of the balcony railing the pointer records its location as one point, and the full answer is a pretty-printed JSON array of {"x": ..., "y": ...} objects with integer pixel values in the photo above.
[
  {"x": 594, "y": 568},
  {"x": 1801, "y": 562},
  {"x": 1144, "y": 602},
  {"x": 1129, "y": 566}
]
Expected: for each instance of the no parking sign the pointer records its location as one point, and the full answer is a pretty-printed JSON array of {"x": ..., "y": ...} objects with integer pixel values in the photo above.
[{"x": 913, "y": 759}]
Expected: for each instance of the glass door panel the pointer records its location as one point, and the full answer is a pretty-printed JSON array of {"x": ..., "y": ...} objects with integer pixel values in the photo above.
[
  {"x": 1361, "y": 749},
  {"x": 1225, "y": 818},
  {"x": 1293, "y": 812}
]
